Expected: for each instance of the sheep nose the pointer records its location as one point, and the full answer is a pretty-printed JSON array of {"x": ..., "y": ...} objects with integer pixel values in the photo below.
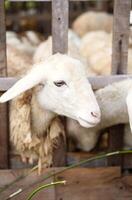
[{"x": 95, "y": 114}]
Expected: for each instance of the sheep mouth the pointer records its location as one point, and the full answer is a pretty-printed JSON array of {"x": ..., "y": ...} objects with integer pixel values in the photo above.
[{"x": 86, "y": 123}]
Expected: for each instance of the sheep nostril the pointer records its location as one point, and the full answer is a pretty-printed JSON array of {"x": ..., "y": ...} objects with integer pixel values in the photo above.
[{"x": 94, "y": 114}]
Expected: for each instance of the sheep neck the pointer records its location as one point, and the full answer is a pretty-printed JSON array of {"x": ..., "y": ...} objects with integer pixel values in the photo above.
[
  {"x": 112, "y": 102},
  {"x": 42, "y": 122}
]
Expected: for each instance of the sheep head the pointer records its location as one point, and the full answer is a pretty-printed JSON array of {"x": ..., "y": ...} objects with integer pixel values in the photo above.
[{"x": 64, "y": 89}]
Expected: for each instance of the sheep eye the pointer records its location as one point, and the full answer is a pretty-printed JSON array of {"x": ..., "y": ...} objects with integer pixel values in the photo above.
[
  {"x": 59, "y": 83},
  {"x": 41, "y": 84}
]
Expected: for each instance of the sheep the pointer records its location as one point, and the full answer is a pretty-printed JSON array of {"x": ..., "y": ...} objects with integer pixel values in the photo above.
[
  {"x": 92, "y": 21},
  {"x": 27, "y": 42},
  {"x": 57, "y": 85},
  {"x": 96, "y": 47},
  {"x": 44, "y": 50},
  {"x": 17, "y": 62},
  {"x": 112, "y": 102}
]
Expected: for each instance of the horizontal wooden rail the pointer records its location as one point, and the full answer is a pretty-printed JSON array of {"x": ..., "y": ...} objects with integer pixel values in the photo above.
[
  {"x": 51, "y": 0},
  {"x": 97, "y": 81}
]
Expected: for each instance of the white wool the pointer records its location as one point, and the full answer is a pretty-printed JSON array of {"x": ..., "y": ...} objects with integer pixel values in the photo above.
[
  {"x": 33, "y": 37},
  {"x": 26, "y": 43},
  {"x": 44, "y": 50},
  {"x": 93, "y": 42},
  {"x": 92, "y": 21},
  {"x": 32, "y": 118},
  {"x": 96, "y": 47},
  {"x": 112, "y": 102}
]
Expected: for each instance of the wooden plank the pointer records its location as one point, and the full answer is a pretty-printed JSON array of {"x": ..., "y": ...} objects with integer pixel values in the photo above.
[
  {"x": 3, "y": 107},
  {"x": 94, "y": 184},
  {"x": 82, "y": 184},
  {"x": 6, "y": 83},
  {"x": 102, "y": 81},
  {"x": 27, "y": 184},
  {"x": 60, "y": 15},
  {"x": 75, "y": 178},
  {"x": 115, "y": 142},
  {"x": 48, "y": 0},
  {"x": 97, "y": 82},
  {"x": 127, "y": 161},
  {"x": 119, "y": 66},
  {"x": 120, "y": 36}
]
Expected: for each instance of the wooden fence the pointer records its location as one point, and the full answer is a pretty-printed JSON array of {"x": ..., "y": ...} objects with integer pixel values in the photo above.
[{"x": 60, "y": 14}]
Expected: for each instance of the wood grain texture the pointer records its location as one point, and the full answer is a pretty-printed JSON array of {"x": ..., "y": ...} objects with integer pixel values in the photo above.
[
  {"x": 60, "y": 15},
  {"x": 119, "y": 66},
  {"x": 28, "y": 184},
  {"x": 74, "y": 158},
  {"x": 95, "y": 184},
  {"x": 60, "y": 19},
  {"x": 82, "y": 184},
  {"x": 44, "y": 0},
  {"x": 3, "y": 107},
  {"x": 97, "y": 82},
  {"x": 120, "y": 36}
]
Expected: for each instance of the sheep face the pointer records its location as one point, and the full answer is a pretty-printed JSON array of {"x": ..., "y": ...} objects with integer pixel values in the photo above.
[{"x": 64, "y": 89}]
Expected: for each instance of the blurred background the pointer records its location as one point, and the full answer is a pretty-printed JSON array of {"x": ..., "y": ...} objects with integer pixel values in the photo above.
[{"x": 22, "y": 16}]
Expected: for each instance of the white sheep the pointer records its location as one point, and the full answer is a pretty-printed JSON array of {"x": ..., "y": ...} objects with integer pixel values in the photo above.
[
  {"x": 112, "y": 102},
  {"x": 92, "y": 21},
  {"x": 17, "y": 62},
  {"x": 96, "y": 47},
  {"x": 57, "y": 85},
  {"x": 44, "y": 50},
  {"x": 26, "y": 43}
]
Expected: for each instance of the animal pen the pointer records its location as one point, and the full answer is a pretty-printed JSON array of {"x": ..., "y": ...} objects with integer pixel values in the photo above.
[{"x": 105, "y": 180}]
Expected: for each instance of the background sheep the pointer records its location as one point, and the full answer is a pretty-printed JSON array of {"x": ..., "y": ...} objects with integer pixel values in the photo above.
[
  {"x": 26, "y": 42},
  {"x": 44, "y": 50},
  {"x": 92, "y": 21},
  {"x": 96, "y": 47},
  {"x": 112, "y": 102}
]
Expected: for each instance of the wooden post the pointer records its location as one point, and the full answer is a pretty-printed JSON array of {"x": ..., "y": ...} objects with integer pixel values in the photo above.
[
  {"x": 3, "y": 107},
  {"x": 60, "y": 14},
  {"x": 120, "y": 36},
  {"x": 119, "y": 66}
]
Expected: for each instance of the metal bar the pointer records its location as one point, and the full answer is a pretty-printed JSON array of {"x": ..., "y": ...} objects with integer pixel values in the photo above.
[{"x": 4, "y": 136}]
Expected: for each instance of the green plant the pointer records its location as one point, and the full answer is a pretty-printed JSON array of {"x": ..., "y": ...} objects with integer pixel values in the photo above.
[{"x": 42, "y": 187}]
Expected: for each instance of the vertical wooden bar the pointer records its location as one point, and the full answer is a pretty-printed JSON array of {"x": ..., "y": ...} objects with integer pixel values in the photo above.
[
  {"x": 60, "y": 15},
  {"x": 120, "y": 36},
  {"x": 101, "y": 5},
  {"x": 3, "y": 107},
  {"x": 119, "y": 66}
]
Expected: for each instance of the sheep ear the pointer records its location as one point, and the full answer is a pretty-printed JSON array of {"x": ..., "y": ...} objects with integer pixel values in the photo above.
[
  {"x": 129, "y": 108},
  {"x": 33, "y": 78}
]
